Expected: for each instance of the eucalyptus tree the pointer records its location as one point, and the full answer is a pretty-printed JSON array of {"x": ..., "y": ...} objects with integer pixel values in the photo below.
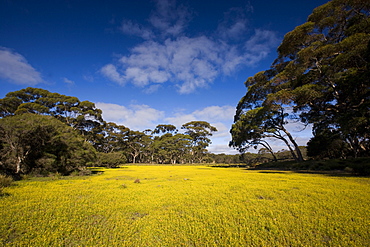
[
  {"x": 80, "y": 115},
  {"x": 322, "y": 72},
  {"x": 112, "y": 138},
  {"x": 199, "y": 132},
  {"x": 165, "y": 128},
  {"x": 323, "y": 67},
  {"x": 136, "y": 144},
  {"x": 161, "y": 148},
  {"x": 258, "y": 118},
  {"x": 36, "y": 143}
]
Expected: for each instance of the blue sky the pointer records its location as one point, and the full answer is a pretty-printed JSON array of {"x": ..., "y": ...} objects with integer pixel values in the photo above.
[{"x": 147, "y": 62}]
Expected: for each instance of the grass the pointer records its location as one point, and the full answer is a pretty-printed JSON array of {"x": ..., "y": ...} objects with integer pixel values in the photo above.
[{"x": 187, "y": 206}]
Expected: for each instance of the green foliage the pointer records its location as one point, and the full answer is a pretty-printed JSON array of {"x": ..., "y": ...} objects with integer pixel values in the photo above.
[
  {"x": 326, "y": 68},
  {"x": 5, "y": 181},
  {"x": 111, "y": 160},
  {"x": 326, "y": 144},
  {"x": 112, "y": 138},
  {"x": 199, "y": 131},
  {"x": 161, "y": 145},
  {"x": 41, "y": 144},
  {"x": 323, "y": 73},
  {"x": 81, "y": 115},
  {"x": 137, "y": 143}
]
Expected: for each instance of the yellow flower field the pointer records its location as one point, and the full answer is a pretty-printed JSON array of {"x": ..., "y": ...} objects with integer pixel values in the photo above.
[{"x": 187, "y": 206}]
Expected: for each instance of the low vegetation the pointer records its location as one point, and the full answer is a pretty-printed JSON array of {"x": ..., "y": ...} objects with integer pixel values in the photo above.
[
  {"x": 358, "y": 166},
  {"x": 187, "y": 206}
]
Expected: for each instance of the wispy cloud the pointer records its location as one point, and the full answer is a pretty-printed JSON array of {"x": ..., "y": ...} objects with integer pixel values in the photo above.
[
  {"x": 170, "y": 18},
  {"x": 235, "y": 25},
  {"x": 131, "y": 28},
  {"x": 68, "y": 81},
  {"x": 15, "y": 68},
  {"x": 170, "y": 55}
]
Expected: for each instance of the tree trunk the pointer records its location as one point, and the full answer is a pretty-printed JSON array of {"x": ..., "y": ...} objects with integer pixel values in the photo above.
[
  {"x": 268, "y": 147},
  {"x": 280, "y": 137},
  {"x": 296, "y": 147},
  {"x": 277, "y": 135},
  {"x": 134, "y": 158},
  {"x": 18, "y": 165}
]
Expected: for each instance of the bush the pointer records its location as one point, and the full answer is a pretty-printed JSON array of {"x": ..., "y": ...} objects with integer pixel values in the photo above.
[
  {"x": 111, "y": 160},
  {"x": 361, "y": 166},
  {"x": 5, "y": 181},
  {"x": 44, "y": 144}
]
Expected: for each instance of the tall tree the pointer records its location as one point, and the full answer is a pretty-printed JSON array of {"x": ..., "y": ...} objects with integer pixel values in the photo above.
[
  {"x": 258, "y": 118},
  {"x": 112, "y": 138},
  {"x": 199, "y": 132},
  {"x": 322, "y": 71},
  {"x": 160, "y": 148},
  {"x": 137, "y": 143},
  {"x": 34, "y": 143},
  {"x": 165, "y": 128},
  {"x": 323, "y": 67},
  {"x": 81, "y": 115}
]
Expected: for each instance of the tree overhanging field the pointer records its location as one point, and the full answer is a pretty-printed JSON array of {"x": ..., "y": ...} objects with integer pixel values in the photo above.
[{"x": 320, "y": 77}]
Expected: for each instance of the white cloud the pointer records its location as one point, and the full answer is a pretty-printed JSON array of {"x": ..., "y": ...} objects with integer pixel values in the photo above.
[
  {"x": 216, "y": 113},
  {"x": 221, "y": 148},
  {"x": 135, "y": 117},
  {"x": 15, "y": 68},
  {"x": 66, "y": 80},
  {"x": 153, "y": 88},
  {"x": 169, "y": 55},
  {"x": 88, "y": 78},
  {"x": 111, "y": 72}
]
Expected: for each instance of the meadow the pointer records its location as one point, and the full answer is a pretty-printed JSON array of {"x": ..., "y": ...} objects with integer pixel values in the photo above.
[{"x": 187, "y": 206}]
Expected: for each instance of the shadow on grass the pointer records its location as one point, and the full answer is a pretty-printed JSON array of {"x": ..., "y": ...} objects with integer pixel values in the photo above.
[
  {"x": 231, "y": 166},
  {"x": 358, "y": 167},
  {"x": 97, "y": 172},
  {"x": 334, "y": 173},
  {"x": 4, "y": 194}
]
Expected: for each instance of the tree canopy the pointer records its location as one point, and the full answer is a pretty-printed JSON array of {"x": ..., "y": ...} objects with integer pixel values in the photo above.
[
  {"x": 80, "y": 115},
  {"x": 199, "y": 132},
  {"x": 321, "y": 74},
  {"x": 31, "y": 143}
]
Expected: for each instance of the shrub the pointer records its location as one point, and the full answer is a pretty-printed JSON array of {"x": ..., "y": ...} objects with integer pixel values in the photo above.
[
  {"x": 361, "y": 166},
  {"x": 5, "y": 181},
  {"x": 111, "y": 160}
]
